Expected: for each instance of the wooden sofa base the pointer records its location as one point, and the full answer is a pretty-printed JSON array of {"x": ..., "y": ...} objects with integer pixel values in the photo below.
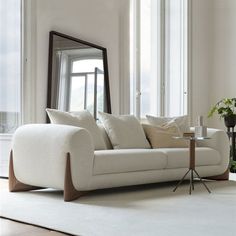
[
  {"x": 70, "y": 193},
  {"x": 224, "y": 176},
  {"x": 14, "y": 184}
]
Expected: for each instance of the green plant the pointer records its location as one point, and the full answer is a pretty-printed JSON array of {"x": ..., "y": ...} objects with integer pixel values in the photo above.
[
  {"x": 232, "y": 163},
  {"x": 225, "y": 107},
  {"x": 232, "y": 166}
]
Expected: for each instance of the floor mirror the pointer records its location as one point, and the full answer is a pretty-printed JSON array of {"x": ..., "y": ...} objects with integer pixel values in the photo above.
[{"x": 77, "y": 75}]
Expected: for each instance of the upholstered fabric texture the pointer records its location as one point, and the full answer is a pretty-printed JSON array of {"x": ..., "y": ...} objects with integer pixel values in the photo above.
[
  {"x": 128, "y": 160},
  {"x": 81, "y": 119},
  {"x": 182, "y": 122},
  {"x": 124, "y": 131},
  {"x": 179, "y": 157},
  {"x": 163, "y": 137},
  {"x": 39, "y": 154},
  {"x": 105, "y": 136}
]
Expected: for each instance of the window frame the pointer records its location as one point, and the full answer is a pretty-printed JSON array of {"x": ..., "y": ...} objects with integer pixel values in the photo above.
[
  {"x": 20, "y": 116},
  {"x": 71, "y": 59},
  {"x": 6, "y": 138},
  {"x": 135, "y": 96}
]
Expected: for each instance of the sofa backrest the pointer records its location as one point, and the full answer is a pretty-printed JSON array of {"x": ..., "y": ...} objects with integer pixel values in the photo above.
[{"x": 105, "y": 136}]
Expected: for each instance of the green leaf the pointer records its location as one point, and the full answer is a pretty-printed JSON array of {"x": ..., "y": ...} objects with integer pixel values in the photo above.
[{"x": 212, "y": 111}]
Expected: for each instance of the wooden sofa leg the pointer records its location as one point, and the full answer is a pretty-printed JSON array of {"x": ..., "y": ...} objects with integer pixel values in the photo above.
[
  {"x": 224, "y": 176},
  {"x": 70, "y": 193},
  {"x": 14, "y": 184}
]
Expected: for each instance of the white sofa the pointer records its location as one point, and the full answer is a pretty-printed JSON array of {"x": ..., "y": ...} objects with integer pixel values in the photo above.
[{"x": 40, "y": 151}]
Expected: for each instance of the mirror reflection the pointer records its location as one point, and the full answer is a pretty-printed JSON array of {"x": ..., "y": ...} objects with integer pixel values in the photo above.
[{"x": 78, "y": 75}]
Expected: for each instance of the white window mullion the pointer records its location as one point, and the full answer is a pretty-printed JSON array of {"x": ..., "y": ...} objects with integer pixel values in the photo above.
[
  {"x": 159, "y": 57},
  {"x": 162, "y": 57},
  {"x": 138, "y": 60},
  {"x": 166, "y": 61},
  {"x": 156, "y": 57},
  {"x": 29, "y": 61},
  {"x": 188, "y": 59},
  {"x": 135, "y": 58},
  {"x": 184, "y": 57}
]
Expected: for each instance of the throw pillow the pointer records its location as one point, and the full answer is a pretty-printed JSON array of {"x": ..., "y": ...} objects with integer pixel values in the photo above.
[
  {"x": 124, "y": 131},
  {"x": 81, "y": 119},
  {"x": 162, "y": 137},
  {"x": 182, "y": 122}
]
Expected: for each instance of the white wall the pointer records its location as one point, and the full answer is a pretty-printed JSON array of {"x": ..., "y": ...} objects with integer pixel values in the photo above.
[
  {"x": 223, "y": 82},
  {"x": 104, "y": 22},
  {"x": 96, "y": 21},
  {"x": 202, "y": 16},
  {"x": 214, "y": 53}
]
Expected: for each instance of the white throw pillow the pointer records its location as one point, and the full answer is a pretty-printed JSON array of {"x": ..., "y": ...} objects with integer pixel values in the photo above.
[
  {"x": 182, "y": 122},
  {"x": 124, "y": 131},
  {"x": 81, "y": 119}
]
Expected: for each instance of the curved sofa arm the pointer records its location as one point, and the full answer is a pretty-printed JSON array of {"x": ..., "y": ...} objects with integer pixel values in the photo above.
[
  {"x": 40, "y": 150},
  {"x": 219, "y": 141}
]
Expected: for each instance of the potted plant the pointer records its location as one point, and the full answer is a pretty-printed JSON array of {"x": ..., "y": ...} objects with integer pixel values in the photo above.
[{"x": 226, "y": 108}]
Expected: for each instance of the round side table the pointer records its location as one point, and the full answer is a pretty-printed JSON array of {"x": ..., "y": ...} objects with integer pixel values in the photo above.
[{"x": 191, "y": 170}]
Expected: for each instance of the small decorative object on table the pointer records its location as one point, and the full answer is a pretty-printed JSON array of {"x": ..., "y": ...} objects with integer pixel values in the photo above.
[{"x": 200, "y": 129}]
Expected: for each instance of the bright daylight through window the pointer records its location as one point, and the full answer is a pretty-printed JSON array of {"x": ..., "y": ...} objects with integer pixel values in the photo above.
[
  {"x": 10, "y": 76},
  {"x": 10, "y": 65},
  {"x": 158, "y": 59},
  {"x": 87, "y": 79},
  {"x": 81, "y": 76}
]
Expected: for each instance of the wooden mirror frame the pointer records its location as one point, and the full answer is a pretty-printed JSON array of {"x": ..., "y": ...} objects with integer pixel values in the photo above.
[{"x": 50, "y": 99}]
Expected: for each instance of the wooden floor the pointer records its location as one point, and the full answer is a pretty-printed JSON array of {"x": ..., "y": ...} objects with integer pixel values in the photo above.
[{"x": 12, "y": 228}]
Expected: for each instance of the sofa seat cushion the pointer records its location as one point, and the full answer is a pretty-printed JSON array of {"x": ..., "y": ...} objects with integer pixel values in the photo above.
[
  {"x": 179, "y": 157},
  {"x": 128, "y": 160}
]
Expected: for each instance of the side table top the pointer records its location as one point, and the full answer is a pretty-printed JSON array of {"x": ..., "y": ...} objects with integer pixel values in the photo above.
[{"x": 191, "y": 138}]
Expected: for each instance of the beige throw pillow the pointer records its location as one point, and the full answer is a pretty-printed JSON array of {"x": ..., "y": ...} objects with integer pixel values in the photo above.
[
  {"x": 124, "y": 131},
  {"x": 182, "y": 122},
  {"x": 82, "y": 119},
  {"x": 162, "y": 137}
]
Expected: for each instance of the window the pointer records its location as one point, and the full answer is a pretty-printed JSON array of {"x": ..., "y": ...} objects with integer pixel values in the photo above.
[
  {"x": 10, "y": 65},
  {"x": 10, "y": 76},
  {"x": 87, "y": 78},
  {"x": 158, "y": 57},
  {"x": 175, "y": 57},
  {"x": 82, "y": 74}
]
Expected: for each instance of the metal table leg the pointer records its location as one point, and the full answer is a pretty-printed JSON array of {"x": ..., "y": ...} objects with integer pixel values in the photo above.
[{"x": 191, "y": 169}]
